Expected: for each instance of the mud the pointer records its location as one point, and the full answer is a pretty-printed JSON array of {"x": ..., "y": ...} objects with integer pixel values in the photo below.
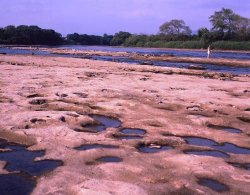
[{"x": 52, "y": 104}]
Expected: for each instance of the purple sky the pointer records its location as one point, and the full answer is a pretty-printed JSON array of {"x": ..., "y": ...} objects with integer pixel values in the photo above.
[{"x": 110, "y": 16}]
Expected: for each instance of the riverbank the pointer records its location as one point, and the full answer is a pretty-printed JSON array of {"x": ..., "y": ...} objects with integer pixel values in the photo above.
[{"x": 53, "y": 104}]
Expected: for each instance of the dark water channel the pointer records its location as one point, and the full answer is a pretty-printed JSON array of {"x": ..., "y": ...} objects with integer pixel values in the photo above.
[{"x": 21, "y": 161}]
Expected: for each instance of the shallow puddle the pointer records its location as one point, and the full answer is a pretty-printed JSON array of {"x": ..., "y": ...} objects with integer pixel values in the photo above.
[
  {"x": 94, "y": 128},
  {"x": 241, "y": 165},
  {"x": 153, "y": 148},
  {"x": 109, "y": 159},
  {"x": 95, "y": 146},
  {"x": 213, "y": 153},
  {"x": 107, "y": 121},
  {"x": 231, "y": 148},
  {"x": 128, "y": 137},
  {"x": 213, "y": 184},
  {"x": 227, "y": 129},
  {"x": 133, "y": 131},
  {"x": 225, "y": 147},
  {"x": 103, "y": 123},
  {"x": 19, "y": 159},
  {"x": 16, "y": 184},
  {"x": 199, "y": 141}
]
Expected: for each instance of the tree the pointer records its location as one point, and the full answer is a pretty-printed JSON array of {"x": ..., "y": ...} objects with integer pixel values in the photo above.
[
  {"x": 243, "y": 28},
  {"x": 29, "y": 35},
  {"x": 107, "y": 39},
  {"x": 120, "y": 37},
  {"x": 223, "y": 21},
  {"x": 228, "y": 24},
  {"x": 175, "y": 27},
  {"x": 204, "y": 34}
]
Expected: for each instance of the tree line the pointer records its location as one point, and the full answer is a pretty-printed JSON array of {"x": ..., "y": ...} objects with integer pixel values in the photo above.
[
  {"x": 227, "y": 28},
  {"x": 29, "y": 35}
]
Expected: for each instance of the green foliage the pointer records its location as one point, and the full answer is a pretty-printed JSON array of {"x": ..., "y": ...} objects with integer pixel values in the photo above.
[
  {"x": 29, "y": 35},
  {"x": 230, "y": 25},
  {"x": 175, "y": 27},
  {"x": 119, "y": 38},
  {"x": 177, "y": 44},
  {"x": 231, "y": 45},
  {"x": 88, "y": 39}
]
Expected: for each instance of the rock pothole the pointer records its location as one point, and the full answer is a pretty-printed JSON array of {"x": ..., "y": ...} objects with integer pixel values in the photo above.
[
  {"x": 109, "y": 159},
  {"x": 221, "y": 149},
  {"x": 213, "y": 184},
  {"x": 225, "y": 128},
  {"x": 21, "y": 161},
  {"x": 95, "y": 146},
  {"x": 153, "y": 148}
]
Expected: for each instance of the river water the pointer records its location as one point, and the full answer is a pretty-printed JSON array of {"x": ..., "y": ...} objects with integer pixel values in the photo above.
[{"x": 150, "y": 51}]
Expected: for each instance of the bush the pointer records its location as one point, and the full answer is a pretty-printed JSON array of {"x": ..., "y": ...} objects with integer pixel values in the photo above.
[{"x": 231, "y": 45}]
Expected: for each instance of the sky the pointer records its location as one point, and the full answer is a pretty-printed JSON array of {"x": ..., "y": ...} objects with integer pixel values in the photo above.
[{"x": 110, "y": 16}]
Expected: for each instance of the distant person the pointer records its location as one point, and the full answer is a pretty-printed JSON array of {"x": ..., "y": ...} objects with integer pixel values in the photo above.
[{"x": 208, "y": 51}]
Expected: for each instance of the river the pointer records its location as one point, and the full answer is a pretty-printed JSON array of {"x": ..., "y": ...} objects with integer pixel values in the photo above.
[{"x": 149, "y": 51}]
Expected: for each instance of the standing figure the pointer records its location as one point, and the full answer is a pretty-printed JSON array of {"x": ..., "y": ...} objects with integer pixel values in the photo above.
[{"x": 208, "y": 51}]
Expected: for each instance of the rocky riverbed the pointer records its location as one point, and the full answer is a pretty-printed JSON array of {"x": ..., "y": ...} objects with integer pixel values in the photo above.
[{"x": 117, "y": 128}]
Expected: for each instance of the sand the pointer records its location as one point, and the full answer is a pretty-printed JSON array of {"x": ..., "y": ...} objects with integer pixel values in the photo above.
[{"x": 168, "y": 103}]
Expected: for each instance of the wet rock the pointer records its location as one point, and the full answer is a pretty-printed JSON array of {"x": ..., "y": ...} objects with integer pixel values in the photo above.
[
  {"x": 81, "y": 95},
  {"x": 61, "y": 95},
  {"x": 196, "y": 67},
  {"x": 63, "y": 119},
  {"x": 34, "y": 95},
  {"x": 244, "y": 119},
  {"x": 38, "y": 101},
  {"x": 153, "y": 148},
  {"x": 146, "y": 63}
]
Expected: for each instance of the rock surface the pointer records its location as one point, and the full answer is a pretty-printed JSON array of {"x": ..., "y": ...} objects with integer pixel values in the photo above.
[{"x": 45, "y": 100}]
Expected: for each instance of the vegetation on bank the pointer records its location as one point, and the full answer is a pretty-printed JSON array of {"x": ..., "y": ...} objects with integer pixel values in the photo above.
[
  {"x": 29, "y": 35},
  {"x": 229, "y": 31}
]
